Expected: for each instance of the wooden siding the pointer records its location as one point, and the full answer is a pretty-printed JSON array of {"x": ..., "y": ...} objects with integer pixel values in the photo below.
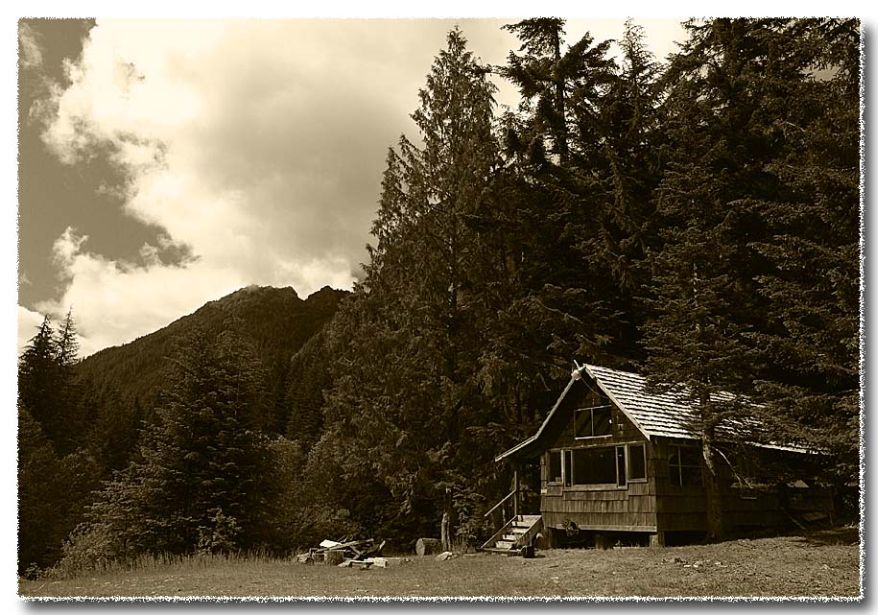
[
  {"x": 657, "y": 504},
  {"x": 598, "y": 507}
]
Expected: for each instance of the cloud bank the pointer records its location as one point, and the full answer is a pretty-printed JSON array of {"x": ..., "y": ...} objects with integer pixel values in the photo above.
[{"x": 257, "y": 146}]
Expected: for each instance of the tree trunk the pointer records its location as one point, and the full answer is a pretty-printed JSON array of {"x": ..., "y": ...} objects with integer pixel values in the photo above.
[
  {"x": 563, "y": 150},
  {"x": 712, "y": 489},
  {"x": 446, "y": 531}
]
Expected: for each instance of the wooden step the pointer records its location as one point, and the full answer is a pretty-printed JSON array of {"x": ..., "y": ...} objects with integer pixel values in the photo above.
[
  {"x": 504, "y": 544},
  {"x": 501, "y": 551}
]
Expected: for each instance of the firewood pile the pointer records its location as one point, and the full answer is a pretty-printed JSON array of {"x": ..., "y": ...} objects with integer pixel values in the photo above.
[{"x": 346, "y": 554}]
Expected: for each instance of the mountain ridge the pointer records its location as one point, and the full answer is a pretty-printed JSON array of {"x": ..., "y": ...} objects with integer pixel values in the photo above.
[{"x": 276, "y": 320}]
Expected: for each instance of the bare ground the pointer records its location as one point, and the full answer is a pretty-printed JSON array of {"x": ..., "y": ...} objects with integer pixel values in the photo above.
[{"x": 819, "y": 565}]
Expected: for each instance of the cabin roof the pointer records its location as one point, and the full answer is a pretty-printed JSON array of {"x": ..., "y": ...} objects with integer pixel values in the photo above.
[
  {"x": 655, "y": 413},
  {"x": 664, "y": 414}
]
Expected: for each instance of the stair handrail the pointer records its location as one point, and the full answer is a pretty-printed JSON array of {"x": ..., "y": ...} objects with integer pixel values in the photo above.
[
  {"x": 500, "y": 503},
  {"x": 498, "y": 534}
]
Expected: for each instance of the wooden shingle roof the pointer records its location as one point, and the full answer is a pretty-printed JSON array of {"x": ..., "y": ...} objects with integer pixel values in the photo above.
[
  {"x": 665, "y": 414},
  {"x": 654, "y": 413}
]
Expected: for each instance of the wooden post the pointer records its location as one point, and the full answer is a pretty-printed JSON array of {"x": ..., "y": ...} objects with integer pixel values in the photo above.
[
  {"x": 515, "y": 490},
  {"x": 657, "y": 539},
  {"x": 445, "y": 527}
]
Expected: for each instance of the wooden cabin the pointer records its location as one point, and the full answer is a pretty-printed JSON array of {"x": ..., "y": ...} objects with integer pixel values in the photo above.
[{"x": 616, "y": 459}]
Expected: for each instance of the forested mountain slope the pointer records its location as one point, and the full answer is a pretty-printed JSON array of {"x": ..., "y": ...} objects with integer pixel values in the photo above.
[{"x": 276, "y": 320}]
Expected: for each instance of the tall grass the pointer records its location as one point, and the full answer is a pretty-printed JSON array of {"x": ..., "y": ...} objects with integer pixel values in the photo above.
[{"x": 146, "y": 562}]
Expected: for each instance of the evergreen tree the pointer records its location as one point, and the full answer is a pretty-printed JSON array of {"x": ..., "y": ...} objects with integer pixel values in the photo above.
[
  {"x": 559, "y": 89},
  {"x": 588, "y": 211},
  {"x": 729, "y": 92},
  {"x": 415, "y": 308},
  {"x": 634, "y": 146},
  {"x": 49, "y": 388},
  {"x": 39, "y": 497},
  {"x": 196, "y": 482},
  {"x": 812, "y": 284},
  {"x": 39, "y": 378}
]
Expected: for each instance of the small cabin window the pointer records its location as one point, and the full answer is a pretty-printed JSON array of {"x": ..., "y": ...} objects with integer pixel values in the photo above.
[
  {"x": 554, "y": 465},
  {"x": 594, "y": 466},
  {"x": 636, "y": 462},
  {"x": 685, "y": 466},
  {"x": 592, "y": 422}
]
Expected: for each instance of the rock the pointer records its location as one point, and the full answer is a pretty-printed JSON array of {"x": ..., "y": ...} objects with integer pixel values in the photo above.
[
  {"x": 379, "y": 562},
  {"x": 444, "y": 556}
]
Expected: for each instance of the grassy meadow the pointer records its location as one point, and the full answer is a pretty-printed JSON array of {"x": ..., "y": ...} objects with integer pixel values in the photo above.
[{"x": 818, "y": 565}]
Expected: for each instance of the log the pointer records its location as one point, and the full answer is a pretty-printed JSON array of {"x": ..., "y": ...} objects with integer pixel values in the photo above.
[
  {"x": 333, "y": 558},
  {"x": 428, "y": 546}
]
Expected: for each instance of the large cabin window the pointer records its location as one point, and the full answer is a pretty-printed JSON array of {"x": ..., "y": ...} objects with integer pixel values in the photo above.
[
  {"x": 601, "y": 465},
  {"x": 685, "y": 466},
  {"x": 594, "y": 466},
  {"x": 554, "y": 465},
  {"x": 592, "y": 422}
]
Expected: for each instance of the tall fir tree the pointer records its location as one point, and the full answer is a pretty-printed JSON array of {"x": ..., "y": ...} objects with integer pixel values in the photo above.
[
  {"x": 728, "y": 87},
  {"x": 813, "y": 282},
  {"x": 39, "y": 379},
  {"x": 195, "y": 484},
  {"x": 415, "y": 309}
]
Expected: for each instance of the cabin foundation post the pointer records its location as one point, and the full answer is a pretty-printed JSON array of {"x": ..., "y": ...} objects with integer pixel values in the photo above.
[
  {"x": 657, "y": 539},
  {"x": 549, "y": 538}
]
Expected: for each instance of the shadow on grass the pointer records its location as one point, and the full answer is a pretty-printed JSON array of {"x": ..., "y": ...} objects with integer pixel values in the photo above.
[{"x": 841, "y": 535}]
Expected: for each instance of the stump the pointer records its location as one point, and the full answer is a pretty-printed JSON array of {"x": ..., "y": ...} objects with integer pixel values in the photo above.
[
  {"x": 333, "y": 558},
  {"x": 446, "y": 532},
  {"x": 428, "y": 546}
]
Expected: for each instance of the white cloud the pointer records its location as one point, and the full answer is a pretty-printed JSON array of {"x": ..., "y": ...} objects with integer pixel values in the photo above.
[
  {"x": 116, "y": 301},
  {"x": 28, "y": 323},
  {"x": 259, "y": 144}
]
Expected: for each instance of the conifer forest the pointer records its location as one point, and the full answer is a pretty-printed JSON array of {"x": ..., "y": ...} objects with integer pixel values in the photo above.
[{"x": 695, "y": 219}]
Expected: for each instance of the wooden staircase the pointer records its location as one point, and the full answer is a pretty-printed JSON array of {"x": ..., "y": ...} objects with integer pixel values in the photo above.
[{"x": 518, "y": 532}]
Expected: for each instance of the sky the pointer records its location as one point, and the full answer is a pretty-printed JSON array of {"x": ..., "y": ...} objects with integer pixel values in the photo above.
[{"x": 164, "y": 164}]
